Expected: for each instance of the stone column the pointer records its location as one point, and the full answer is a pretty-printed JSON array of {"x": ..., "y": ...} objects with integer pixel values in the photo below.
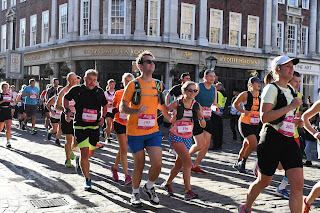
[
  {"x": 318, "y": 29},
  {"x": 72, "y": 65},
  {"x": 55, "y": 67},
  {"x": 70, "y": 19},
  {"x": 312, "y": 28},
  {"x": 95, "y": 12},
  {"x": 315, "y": 89},
  {"x": 170, "y": 21},
  {"x": 274, "y": 26},
  {"x": 169, "y": 66},
  {"x": 267, "y": 26},
  {"x": 54, "y": 16},
  {"x": 199, "y": 68},
  {"x": 76, "y": 20},
  {"x": 139, "y": 32},
  {"x": 105, "y": 19},
  {"x": 202, "y": 39}
]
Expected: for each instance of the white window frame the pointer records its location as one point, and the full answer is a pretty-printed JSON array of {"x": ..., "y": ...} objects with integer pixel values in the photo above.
[
  {"x": 295, "y": 41},
  {"x": 32, "y": 42},
  {"x": 305, "y": 4},
  {"x": 22, "y": 42},
  {"x": 295, "y": 3},
  {"x": 60, "y": 21},
  {"x": 281, "y": 1},
  {"x": 257, "y": 32},
  {"x": 3, "y": 38},
  {"x": 43, "y": 39},
  {"x": 305, "y": 51},
  {"x": 240, "y": 26},
  {"x": 281, "y": 23},
  {"x": 158, "y": 17},
  {"x": 193, "y": 21},
  {"x": 221, "y": 26},
  {"x": 13, "y": 3},
  {"x": 124, "y": 19},
  {"x": 22, "y": 1},
  {"x": 82, "y": 19},
  {"x": 4, "y": 4}
]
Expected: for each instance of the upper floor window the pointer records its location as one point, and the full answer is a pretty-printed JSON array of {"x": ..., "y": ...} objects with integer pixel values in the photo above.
[
  {"x": 187, "y": 21},
  {"x": 280, "y": 30},
  {"x": 281, "y": 1},
  {"x": 63, "y": 18},
  {"x": 235, "y": 29},
  {"x": 216, "y": 22},
  {"x": 304, "y": 40},
  {"x": 305, "y": 4},
  {"x": 293, "y": 3},
  {"x": 4, "y": 4},
  {"x": 22, "y": 39},
  {"x": 117, "y": 17},
  {"x": 253, "y": 32},
  {"x": 292, "y": 39},
  {"x": 13, "y": 3},
  {"x": 154, "y": 18},
  {"x": 45, "y": 27},
  {"x": 33, "y": 30},
  {"x": 22, "y": 1},
  {"x": 85, "y": 15},
  {"x": 3, "y": 37}
]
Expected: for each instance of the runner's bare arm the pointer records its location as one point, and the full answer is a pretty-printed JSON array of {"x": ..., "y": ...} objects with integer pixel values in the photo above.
[
  {"x": 124, "y": 108},
  {"x": 315, "y": 108},
  {"x": 242, "y": 97},
  {"x": 58, "y": 104},
  {"x": 50, "y": 102},
  {"x": 18, "y": 98},
  {"x": 165, "y": 112}
]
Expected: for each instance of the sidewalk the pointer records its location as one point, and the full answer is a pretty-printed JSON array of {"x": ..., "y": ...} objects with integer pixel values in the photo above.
[{"x": 33, "y": 171}]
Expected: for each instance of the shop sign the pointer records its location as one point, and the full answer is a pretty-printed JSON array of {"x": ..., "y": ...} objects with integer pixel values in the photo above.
[
  {"x": 14, "y": 67},
  {"x": 112, "y": 51},
  {"x": 238, "y": 60},
  {"x": 32, "y": 57},
  {"x": 301, "y": 67}
]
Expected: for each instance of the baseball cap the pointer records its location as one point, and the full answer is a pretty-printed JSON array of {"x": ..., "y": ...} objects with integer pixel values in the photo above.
[
  {"x": 253, "y": 79},
  {"x": 280, "y": 60}
]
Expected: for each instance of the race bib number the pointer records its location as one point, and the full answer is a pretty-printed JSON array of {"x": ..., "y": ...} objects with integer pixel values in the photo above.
[
  {"x": 287, "y": 127},
  {"x": 184, "y": 127},
  {"x": 254, "y": 119},
  {"x": 33, "y": 96},
  {"x": 6, "y": 98},
  {"x": 89, "y": 115},
  {"x": 71, "y": 105},
  {"x": 296, "y": 116},
  {"x": 123, "y": 117},
  {"x": 207, "y": 112},
  {"x": 57, "y": 114},
  {"x": 146, "y": 121}
]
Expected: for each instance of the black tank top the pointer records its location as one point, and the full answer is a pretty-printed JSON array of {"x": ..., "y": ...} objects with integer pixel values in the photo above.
[{"x": 3, "y": 97}]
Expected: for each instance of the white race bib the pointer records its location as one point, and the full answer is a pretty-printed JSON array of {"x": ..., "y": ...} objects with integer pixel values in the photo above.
[
  {"x": 146, "y": 121},
  {"x": 254, "y": 119},
  {"x": 288, "y": 127},
  {"x": 89, "y": 115},
  {"x": 57, "y": 114},
  {"x": 206, "y": 112},
  {"x": 71, "y": 105},
  {"x": 33, "y": 96},
  {"x": 123, "y": 117},
  {"x": 6, "y": 98},
  {"x": 184, "y": 127},
  {"x": 187, "y": 113}
]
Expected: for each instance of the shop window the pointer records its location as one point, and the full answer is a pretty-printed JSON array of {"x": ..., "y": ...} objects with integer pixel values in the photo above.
[
  {"x": 63, "y": 18},
  {"x": 292, "y": 39},
  {"x": 187, "y": 21},
  {"x": 85, "y": 18},
  {"x": 3, "y": 37},
  {"x": 117, "y": 17},
  {"x": 293, "y": 3},
  {"x": 305, "y": 4},
  {"x": 33, "y": 30},
  {"x": 280, "y": 36},
  {"x": 22, "y": 40},
  {"x": 235, "y": 29},
  {"x": 253, "y": 32},
  {"x": 154, "y": 17},
  {"x": 216, "y": 23},
  {"x": 4, "y": 4},
  {"x": 45, "y": 27},
  {"x": 304, "y": 40},
  {"x": 308, "y": 87}
]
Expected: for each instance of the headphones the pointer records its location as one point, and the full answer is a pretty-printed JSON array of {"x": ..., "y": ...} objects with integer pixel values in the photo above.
[{"x": 279, "y": 68}]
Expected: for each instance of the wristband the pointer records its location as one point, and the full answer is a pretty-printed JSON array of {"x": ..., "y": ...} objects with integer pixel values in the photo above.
[
  {"x": 202, "y": 119},
  {"x": 316, "y": 135}
]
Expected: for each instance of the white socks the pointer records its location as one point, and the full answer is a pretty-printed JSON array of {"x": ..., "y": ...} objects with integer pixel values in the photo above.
[{"x": 283, "y": 183}]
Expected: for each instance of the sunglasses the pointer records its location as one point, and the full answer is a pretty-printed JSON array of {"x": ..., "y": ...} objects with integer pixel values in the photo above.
[
  {"x": 191, "y": 90},
  {"x": 149, "y": 62}
]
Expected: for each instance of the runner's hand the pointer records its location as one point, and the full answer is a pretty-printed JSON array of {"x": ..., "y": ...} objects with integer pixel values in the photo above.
[
  {"x": 200, "y": 113},
  {"x": 142, "y": 109},
  {"x": 246, "y": 113},
  {"x": 173, "y": 116},
  {"x": 101, "y": 120},
  {"x": 296, "y": 102}
]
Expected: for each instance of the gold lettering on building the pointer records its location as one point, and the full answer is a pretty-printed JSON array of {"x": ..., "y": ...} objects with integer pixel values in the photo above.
[
  {"x": 32, "y": 57},
  {"x": 112, "y": 51},
  {"x": 239, "y": 60},
  {"x": 187, "y": 54}
]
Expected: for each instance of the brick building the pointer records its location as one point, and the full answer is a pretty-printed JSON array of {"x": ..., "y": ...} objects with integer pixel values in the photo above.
[{"x": 244, "y": 35}]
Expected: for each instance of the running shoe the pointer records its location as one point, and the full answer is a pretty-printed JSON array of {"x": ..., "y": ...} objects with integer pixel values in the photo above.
[
  {"x": 57, "y": 142},
  {"x": 72, "y": 156},
  {"x": 235, "y": 165},
  {"x": 283, "y": 193},
  {"x": 33, "y": 132},
  {"x": 87, "y": 185},
  {"x": 308, "y": 163},
  {"x": 49, "y": 136},
  {"x": 114, "y": 173},
  {"x": 108, "y": 140},
  {"x": 242, "y": 209},
  {"x": 135, "y": 200},
  {"x": 307, "y": 207},
  {"x": 78, "y": 168},
  {"x": 242, "y": 167},
  {"x": 8, "y": 145},
  {"x": 23, "y": 126},
  {"x": 197, "y": 170},
  {"x": 152, "y": 196},
  {"x": 190, "y": 195},
  {"x": 68, "y": 164},
  {"x": 167, "y": 188},
  {"x": 99, "y": 145},
  {"x": 128, "y": 180}
]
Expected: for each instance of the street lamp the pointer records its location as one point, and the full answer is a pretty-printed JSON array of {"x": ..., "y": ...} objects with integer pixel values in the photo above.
[{"x": 211, "y": 62}]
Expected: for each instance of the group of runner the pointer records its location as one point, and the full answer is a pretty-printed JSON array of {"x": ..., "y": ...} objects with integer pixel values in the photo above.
[{"x": 267, "y": 123}]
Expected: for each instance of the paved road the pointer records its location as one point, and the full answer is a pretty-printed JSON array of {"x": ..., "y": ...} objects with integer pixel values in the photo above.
[{"x": 33, "y": 170}]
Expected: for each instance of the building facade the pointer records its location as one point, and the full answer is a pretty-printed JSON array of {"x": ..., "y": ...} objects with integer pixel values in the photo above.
[{"x": 109, "y": 34}]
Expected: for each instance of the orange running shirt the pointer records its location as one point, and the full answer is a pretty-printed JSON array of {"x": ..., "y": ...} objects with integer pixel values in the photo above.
[
  {"x": 254, "y": 110},
  {"x": 117, "y": 99},
  {"x": 151, "y": 102}
]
